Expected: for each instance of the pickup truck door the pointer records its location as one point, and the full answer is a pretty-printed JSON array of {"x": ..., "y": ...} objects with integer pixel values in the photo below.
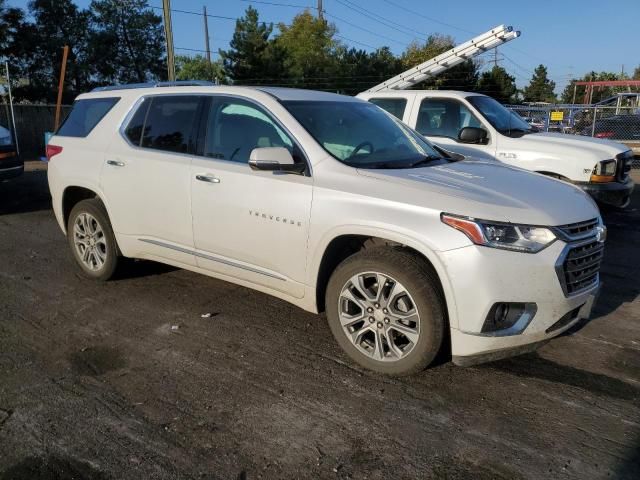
[
  {"x": 440, "y": 119},
  {"x": 248, "y": 225}
]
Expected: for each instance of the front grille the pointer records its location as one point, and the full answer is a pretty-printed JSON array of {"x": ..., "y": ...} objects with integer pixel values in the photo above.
[
  {"x": 580, "y": 230},
  {"x": 581, "y": 266}
]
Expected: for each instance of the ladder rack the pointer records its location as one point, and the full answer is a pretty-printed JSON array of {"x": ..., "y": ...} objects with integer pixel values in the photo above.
[{"x": 470, "y": 49}]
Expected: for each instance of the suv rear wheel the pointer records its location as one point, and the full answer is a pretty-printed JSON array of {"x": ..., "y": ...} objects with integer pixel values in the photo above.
[
  {"x": 91, "y": 239},
  {"x": 385, "y": 310}
]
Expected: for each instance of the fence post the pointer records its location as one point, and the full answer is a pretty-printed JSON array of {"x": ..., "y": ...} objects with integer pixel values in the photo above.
[{"x": 593, "y": 126}]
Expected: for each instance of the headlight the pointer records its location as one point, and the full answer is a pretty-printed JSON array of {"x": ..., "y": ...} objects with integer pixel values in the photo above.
[
  {"x": 507, "y": 236},
  {"x": 604, "y": 171}
]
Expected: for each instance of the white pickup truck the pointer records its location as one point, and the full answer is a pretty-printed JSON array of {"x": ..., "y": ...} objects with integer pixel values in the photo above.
[{"x": 478, "y": 126}]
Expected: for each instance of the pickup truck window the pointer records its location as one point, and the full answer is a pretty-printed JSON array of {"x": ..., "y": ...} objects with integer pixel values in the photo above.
[
  {"x": 444, "y": 117},
  {"x": 361, "y": 135},
  {"x": 395, "y": 106},
  {"x": 502, "y": 119},
  {"x": 235, "y": 127}
]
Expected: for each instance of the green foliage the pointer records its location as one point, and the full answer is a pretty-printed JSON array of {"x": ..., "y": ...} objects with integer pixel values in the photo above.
[
  {"x": 127, "y": 41},
  {"x": 540, "y": 88},
  {"x": 636, "y": 74},
  {"x": 199, "y": 68},
  {"x": 252, "y": 57},
  {"x": 497, "y": 83}
]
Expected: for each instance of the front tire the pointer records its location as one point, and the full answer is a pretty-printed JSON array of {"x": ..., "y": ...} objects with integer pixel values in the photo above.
[
  {"x": 386, "y": 311},
  {"x": 92, "y": 241}
]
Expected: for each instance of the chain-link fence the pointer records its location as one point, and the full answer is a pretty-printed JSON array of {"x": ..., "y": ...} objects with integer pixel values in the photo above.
[
  {"x": 32, "y": 121},
  {"x": 620, "y": 124}
]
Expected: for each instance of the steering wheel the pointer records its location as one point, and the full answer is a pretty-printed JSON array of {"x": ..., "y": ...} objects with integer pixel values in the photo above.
[{"x": 359, "y": 147}]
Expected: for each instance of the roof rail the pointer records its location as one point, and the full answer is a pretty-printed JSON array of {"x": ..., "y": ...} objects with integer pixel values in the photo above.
[{"x": 180, "y": 83}]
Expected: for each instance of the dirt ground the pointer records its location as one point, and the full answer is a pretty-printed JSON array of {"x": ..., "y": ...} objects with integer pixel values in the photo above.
[{"x": 128, "y": 380}]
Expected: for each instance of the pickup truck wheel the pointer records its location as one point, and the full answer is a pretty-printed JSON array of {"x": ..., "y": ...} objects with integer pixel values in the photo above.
[
  {"x": 91, "y": 239},
  {"x": 385, "y": 310}
]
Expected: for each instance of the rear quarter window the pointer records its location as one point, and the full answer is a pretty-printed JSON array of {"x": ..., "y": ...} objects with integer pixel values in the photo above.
[{"x": 85, "y": 115}]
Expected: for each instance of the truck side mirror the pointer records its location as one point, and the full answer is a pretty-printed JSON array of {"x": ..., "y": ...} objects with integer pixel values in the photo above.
[{"x": 473, "y": 135}]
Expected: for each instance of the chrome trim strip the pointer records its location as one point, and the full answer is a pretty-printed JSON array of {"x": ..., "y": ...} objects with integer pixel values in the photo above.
[
  {"x": 213, "y": 259},
  {"x": 11, "y": 169}
]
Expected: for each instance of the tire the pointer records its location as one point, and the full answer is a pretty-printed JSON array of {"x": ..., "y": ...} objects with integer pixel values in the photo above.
[
  {"x": 90, "y": 235},
  {"x": 407, "y": 350}
]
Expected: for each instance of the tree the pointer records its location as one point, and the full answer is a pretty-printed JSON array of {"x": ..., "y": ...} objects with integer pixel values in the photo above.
[
  {"x": 540, "y": 88},
  {"x": 497, "y": 83},
  {"x": 357, "y": 70},
  {"x": 252, "y": 57},
  {"x": 461, "y": 77},
  {"x": 198, "y": 68},
  {"x": 127, "y": 42},
  {"x": 636, "y": 74},
  {"x": 11, "y": 23},
  {"x": 309, "y": 47}
]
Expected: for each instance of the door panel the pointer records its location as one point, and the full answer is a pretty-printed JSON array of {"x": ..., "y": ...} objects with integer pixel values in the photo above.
[
  {"x": 148, "y": 188},
  {"x": 247, "y": 224}
]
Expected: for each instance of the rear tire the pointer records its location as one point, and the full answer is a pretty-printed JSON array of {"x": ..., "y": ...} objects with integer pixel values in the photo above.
[
  {"x": 385, "y": 309},
  {"x": 92, "y": 241}
]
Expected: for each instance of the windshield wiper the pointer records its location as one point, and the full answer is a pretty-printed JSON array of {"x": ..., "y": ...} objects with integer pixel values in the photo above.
[{"x": 424, "y": 161}]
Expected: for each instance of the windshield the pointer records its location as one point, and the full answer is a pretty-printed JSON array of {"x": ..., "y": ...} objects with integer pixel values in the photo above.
[
  {"x": 362, "y": 135},
  {"x": 504, "y": 120}
]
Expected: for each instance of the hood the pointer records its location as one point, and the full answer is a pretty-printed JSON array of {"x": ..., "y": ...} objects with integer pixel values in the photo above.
[
  {"x": 487, "y": 190},
  {"x": 562, "y": 145}
]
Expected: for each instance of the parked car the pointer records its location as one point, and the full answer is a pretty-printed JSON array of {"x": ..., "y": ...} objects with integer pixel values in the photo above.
[
  {"x": 617, "y": 127},
  {"x": 478, "y": 126},
  {"x": 331, "y": 204},
  {"x": 10, "y": 163}
]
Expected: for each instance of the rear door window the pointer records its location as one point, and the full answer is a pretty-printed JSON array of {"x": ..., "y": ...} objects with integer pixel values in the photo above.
[
  {"x": 136, "y": 124},
  {"x": 170, "y": 123},
  {"x": 444, "y": 117},
  {"x": 85, "y": 115},
  {"x": 395, "y": 106}
]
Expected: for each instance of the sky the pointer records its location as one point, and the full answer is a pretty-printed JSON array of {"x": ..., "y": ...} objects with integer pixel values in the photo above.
[{"x": 570, "y": 37}]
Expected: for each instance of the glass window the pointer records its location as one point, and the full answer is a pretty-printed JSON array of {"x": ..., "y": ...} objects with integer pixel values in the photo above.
[
  {"x": 235, "y": 127},
  {"x": 170, "y": 122},
  {"x": 504, "y": 120},
  {"x": 395, "y": 106},
  {"x": 85, "y": 115},
  {"x": 361, "y": 135},
  {"x": 136, "y": 124},
  {"x": 444, "y": 117}
]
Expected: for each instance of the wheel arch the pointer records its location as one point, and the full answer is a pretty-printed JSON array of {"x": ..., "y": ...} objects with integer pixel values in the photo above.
[
  {"x": 343, "y": 245},
  {"x": 73, "y": 194}
]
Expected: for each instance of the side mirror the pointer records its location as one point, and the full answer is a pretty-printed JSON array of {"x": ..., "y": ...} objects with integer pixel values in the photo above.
[
  {"x": 473, "y": 135},
  {"x": 274, "y": 159}
]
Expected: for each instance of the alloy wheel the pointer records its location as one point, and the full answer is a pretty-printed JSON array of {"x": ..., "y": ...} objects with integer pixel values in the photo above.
[{"x": 90, "y": 241}]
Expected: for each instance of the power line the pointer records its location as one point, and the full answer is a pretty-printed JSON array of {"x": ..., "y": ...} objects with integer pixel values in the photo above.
[
  {"x": 363, "y": 29},
  {"x": 277, "y": 4},
  {"x": 372, "y": 16},
  {"x": 435, "y": 20}
]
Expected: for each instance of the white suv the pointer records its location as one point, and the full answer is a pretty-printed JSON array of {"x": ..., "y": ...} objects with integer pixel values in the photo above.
[{"x": 332, "y": 204}]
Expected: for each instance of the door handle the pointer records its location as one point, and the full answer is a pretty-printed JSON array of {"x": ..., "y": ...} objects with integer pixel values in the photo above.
[
  {"x": 208, "y": 178},
  {"x": 115, "y": 163}
]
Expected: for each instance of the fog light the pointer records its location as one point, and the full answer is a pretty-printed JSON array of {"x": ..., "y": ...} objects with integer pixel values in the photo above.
[{"x": 508, "y": 318}]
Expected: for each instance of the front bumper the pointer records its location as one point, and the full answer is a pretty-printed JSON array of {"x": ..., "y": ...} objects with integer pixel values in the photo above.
[
  {"x": 480, "y": 277},
  {"x": 617, "y": 194}
]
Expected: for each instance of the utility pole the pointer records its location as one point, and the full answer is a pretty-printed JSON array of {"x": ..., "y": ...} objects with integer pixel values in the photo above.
[
  {"x": 63, "y": 71},
  {"x": 320, "y": 15},
  {"x": 495, "y": 57},
  {"x": 207, "y": 46},
  {"x": 168, "y": 33}
]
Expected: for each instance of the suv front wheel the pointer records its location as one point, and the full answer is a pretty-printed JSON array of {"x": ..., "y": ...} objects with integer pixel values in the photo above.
[
  {"x": 385, "y": 310},
  {"x": 91, "y": 239}
]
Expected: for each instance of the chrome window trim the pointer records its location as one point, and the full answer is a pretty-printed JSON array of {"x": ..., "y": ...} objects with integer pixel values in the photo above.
[{"x": 134, "y": 108}]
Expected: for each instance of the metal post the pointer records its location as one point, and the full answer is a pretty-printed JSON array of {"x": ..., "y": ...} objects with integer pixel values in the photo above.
[
  {"x": 575, "y": 89},
  {"x": 63, "y": 71},
  {"x": 320, "y": 16},
  {"x": 207, "y": 46},
  {"x": 168, "y": 33},
  {"x": 13, "y": 116},
  {"x": 593, "y": 126}
]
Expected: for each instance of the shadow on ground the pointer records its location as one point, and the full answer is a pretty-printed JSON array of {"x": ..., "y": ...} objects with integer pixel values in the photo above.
[{"x": 27, "y": 193}]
